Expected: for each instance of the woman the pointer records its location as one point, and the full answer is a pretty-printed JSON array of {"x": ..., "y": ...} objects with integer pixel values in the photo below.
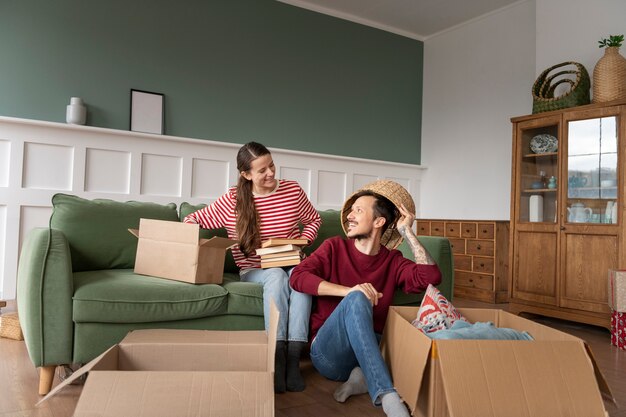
[{"x": 258, "y": 208}]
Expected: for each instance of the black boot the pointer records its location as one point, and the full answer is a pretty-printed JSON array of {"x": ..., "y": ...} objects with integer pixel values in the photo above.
[
  {"x": 280, "y": 361},
  {"x": 295, "y": 382}
]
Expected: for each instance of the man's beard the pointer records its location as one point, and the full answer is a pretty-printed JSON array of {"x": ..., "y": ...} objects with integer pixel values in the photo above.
[{"x": 363, "y": 236}]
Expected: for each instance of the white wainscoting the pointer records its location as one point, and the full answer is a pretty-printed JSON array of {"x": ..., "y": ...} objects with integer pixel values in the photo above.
[{"x": 39, "y": 159}]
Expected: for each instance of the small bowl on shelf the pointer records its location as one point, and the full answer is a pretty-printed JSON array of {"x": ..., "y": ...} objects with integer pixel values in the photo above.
[{"x": 537, "y": 185}]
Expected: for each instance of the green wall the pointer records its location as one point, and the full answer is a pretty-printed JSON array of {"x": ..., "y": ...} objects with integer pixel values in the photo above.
[{"x": 231, "y": 70}]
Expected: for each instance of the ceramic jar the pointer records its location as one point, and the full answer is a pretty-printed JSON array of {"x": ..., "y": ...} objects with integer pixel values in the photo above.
[{"x": 76, "y": 113}]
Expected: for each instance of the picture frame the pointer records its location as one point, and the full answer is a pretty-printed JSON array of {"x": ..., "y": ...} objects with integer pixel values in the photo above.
[{"x": 146, "y": 111}]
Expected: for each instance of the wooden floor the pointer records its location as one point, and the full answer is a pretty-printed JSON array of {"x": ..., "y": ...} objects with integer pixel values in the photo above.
[{"x": 19, "y": 380}]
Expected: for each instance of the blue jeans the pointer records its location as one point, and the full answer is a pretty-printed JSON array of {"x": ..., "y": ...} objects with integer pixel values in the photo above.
[
  {"x": 294, "y": 306},
  {"x": 347, "y": 340}
]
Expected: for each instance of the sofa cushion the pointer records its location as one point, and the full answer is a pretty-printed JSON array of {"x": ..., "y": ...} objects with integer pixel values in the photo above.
[
  {"x": 121, "y": 296},
  {"x": 229, "y": 262},
  {"x": 243, "y": 297},
  {"x": 97, "y": 230}
]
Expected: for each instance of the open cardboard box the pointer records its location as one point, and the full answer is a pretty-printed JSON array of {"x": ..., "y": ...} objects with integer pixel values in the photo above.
[
  {"x": 173, "y": 250},
  {"x": 165, "y": 373},
  {"x": 554, "y": 375}
]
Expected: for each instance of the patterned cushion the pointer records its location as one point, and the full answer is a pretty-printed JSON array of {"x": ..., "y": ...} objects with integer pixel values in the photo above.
[{"x": 435, "y": 312}]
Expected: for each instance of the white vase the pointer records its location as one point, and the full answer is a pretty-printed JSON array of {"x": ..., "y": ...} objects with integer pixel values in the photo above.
[
  {"x": 76, "y": 113},
  {"x": 535, "y": 212}
]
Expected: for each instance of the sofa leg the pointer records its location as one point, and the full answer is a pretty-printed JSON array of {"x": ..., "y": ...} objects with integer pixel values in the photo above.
[{"x": 46, "y": 375}]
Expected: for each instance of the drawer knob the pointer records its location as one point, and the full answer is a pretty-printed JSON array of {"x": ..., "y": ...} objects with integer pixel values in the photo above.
[
  {"x": 482, "y": 265},
  {"x": 484, "y": 231},
  {"x": 467, "y": 230},
  {"x": 478, "y": 247}
]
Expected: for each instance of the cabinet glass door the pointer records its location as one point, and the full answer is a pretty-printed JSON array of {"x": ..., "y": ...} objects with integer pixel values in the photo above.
[
  {"x": 592, "y": 171},
  {"x": 538, "y": 181}
]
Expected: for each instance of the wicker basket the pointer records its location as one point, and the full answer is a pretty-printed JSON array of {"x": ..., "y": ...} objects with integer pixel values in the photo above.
[
  {"x": 609, "y": 76},
  {"x": 10, "y": 327},
  {"x": 395, "y": 193},
  {"x": 545, "y": 85}
]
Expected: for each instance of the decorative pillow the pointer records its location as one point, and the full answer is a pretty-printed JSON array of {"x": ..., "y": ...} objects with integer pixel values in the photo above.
[{"x": 435, "y": 312}]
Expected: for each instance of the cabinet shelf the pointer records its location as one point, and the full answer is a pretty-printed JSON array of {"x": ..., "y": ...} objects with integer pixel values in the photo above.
[
  {"x": 541, "y": 155},
  {"x": 539, "y": 190}
]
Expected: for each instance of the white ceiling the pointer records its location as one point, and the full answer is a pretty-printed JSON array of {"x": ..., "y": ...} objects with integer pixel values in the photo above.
[{"x": 417, "y": 19}]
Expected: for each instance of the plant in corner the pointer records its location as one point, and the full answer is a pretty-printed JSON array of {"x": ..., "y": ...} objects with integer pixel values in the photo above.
[
  {"x": 609, "y": 74},
  {"x": 612, "y": 41}
]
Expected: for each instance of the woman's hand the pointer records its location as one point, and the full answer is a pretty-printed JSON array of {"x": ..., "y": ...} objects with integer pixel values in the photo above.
[{"x": 369, "y": 291}]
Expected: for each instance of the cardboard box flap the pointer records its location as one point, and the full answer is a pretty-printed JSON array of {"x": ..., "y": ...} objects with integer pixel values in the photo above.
[
  {"x": 217, "y": 242},
  {"x": 518, "y": 378},
  {"x": 107, "y": 360},
  {"x": 272, "y": 332},
  {"x": 602, "y": 384},
  {"x": 406, "y": 355},
  {"x": 166, "y": 394},
  {"x": 168, "y": 231}
]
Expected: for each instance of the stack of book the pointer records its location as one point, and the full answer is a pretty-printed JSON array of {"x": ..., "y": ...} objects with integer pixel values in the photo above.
[{"x": 276, "y": 253}]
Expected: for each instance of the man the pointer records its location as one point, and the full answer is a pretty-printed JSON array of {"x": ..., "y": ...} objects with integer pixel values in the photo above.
[{"x": 354, "y": 280}]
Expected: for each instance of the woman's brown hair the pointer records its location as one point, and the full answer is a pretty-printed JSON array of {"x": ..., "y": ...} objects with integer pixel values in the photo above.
[{"x": 247, "y": 216}]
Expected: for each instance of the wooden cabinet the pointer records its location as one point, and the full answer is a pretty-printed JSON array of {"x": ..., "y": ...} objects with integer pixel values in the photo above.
[
  {"x": 567, "y": 208},
  {"x": 481, "y": 253}
]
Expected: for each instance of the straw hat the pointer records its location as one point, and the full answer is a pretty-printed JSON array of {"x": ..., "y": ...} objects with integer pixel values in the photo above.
[{"x": 395, "y": 193}]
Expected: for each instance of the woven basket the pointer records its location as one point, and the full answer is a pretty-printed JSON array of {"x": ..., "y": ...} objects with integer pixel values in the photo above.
[
  {"x": 395, "y": 193},
  {"x": 10, "y": 327},
  {"x": 609, "y": 76},
  {"x": 545, "y": 85}
]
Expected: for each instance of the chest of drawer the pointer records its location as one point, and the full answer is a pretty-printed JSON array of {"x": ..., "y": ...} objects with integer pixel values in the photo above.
[
  {"x": 453, "y": 229},
  {"x": 486, "y": 231},
  {"x": 457, "y": 245},
  {"x": 468, "y": 230},
  {"x": 463, "y": 262},
  {"x": 423, "y": 228},
  {"x": 470, "y": 280},
  {"x": 437, "y": 229},
  {"x": 480, "y": 247},
  {"x": 482, "y": 265}
]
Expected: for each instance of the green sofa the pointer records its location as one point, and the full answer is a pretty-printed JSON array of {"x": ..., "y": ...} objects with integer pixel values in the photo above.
[{"x": 77, "y": 294}]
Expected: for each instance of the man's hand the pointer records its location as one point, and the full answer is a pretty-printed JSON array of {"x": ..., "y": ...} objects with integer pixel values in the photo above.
[
  {"x": 369, "y": 291},
  {"x": 406, "y": 219}
]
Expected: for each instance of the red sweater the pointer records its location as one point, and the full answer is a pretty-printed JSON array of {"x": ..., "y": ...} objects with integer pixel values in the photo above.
[{"x": 338, "y": 261}]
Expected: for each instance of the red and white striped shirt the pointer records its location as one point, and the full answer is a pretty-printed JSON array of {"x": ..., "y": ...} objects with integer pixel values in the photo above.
[{"x": 280, "y": 212}]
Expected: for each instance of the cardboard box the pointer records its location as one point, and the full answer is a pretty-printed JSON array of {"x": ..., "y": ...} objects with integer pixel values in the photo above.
[
  {"x": 617, "y": 290},
  {"x": 165, "y": 373},
  {"x": 554, "y": 375},
  {"x": 173, "y": 250},
  {"x": 618, "y": 329}
]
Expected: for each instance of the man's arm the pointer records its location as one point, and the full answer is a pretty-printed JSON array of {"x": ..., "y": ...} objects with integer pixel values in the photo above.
[
  {"x": 405, "y": 224},
  {"x": 336, "y": 290}
]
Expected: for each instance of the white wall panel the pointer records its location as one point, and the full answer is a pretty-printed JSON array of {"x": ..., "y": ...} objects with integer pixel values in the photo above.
[
  {"x": 5, "y": 162},
  {"x": 331, "y": 188},
  {"x": 31, "y": 217},
  {"x": 121, "y": 165},
  {"x": 48, "y": 167},
  {"x": 303, "y": 176},
  {"x": 161, "y": 175},
  {"x": 210, "y": 178},
  {"x": 107, "y": 171},
  {"x": 359, "y": 180}
]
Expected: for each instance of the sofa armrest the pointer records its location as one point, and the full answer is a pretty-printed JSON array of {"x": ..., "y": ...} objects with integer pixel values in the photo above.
[
  {"x": 441, "y": 251},
  {"x": 44, "y": 297}
]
